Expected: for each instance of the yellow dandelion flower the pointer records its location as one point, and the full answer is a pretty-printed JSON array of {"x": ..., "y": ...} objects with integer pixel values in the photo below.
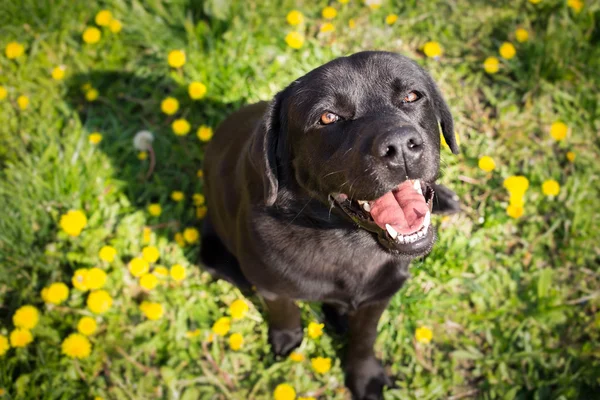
[
  {"x": 432, "y": 49},
  {"x": 80, "y": 279},
  {"x": 315, "y": 330},
  {"x": 58, "y": 73},
  {"x": 177, "y": 195},
  {"x": 57, "y": 293},
  {"x": 176, "y": 58},
  {"x": 103, "y": 18},
  {"x": 99, "y": 301},
  {"x": 14, "y": 50},
  {"x": 179, "y": 239},
  {"x": 86, "y": 86},
  {"x": 307, "y": 398},
  {"x": 514, "y": 211},
  {"x": 551, "y": 187},
  {"x": 559, "y": 131},
  {"x": 570, "y": 156},
  {"x": 160, "y": 271},
  {"x": 487, "y": 163},
  {"x": 76, "y": 346},
  {"x": 327, "y": 27},
  {"x": 236, "y": 341},
  {"x": 200, "y": 173},
  {"x": 507, "y": 50},
  {"x": 198, "y": 199},
  {"x": 210, "y": 337},
  {"x": 321, "y": 365},
  {"x": 296, "y": 356},
  {"x": 329, "y": 12},
  {"x": 3, "y": 93},
  {"x": 152, "y": 311},
  {"x": 155, "y": 209},
  {"x": 521, "y": 35},
  {"x": 115, "y": 26},
  {"x": 283, "y": 391},
  {"x": 517, "y": 199},
  {"x": 95, "y": 138},
  {"x": 193, "y": 334},
  {"x": 138, "y": 266},
  {"x": 169, "y": 105},
  {"x": 391, "y": 19},
  {"x": 91, "y": 35},
  {"x": 575, "y": 5},
  {"x": 107, "y": 253},
  {"x": 423, "y": 335},
  {"x": 516, "y": 184},
  {"x": 146, "y": 235},
  {"x": 222, "y": 326},
  {"x": 238, "y": 309},
  {"x": 294, "y": 18},
  {"x": 491, "y": 65},
  {"x": 23, "y": 102},
  {"x": 197, "y": 90},
  {"x": 91, "y": 95},
  {"x": 96, "y": 278},
  {"x": 535, "y": 1},
  {"x": 191, "y": 235},
  {"x": 295, "y": 40},
  {"x": 343, "y": 1},
  {"x": 148, "y": 281},
  {"x": 4, "y": 346},
  {"x": 20, "y": 337},
  {"x": 204, "y": 133},
  {"x": 177, "y": 272},
  {"x": 351, "y": 23},
  {"x": 181, "y": 127},
  {"x": 26, "y": 317},
  {"x": 201, "y": 212},
  {"x": 87, "y": 326},
  {"x": 150, "y": 254}
]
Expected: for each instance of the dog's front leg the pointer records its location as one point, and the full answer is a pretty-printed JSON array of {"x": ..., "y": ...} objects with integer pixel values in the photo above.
[
  {"x": 365, "y": 376},
  {"x": 285, "y": 325}
]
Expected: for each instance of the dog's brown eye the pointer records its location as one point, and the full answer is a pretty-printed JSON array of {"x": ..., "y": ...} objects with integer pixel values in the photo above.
[
  {"x": 412, "y": 96},
  {"x": 329, "y": 118}
]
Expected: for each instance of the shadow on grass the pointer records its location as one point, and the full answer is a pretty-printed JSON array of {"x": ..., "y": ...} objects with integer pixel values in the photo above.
[{"x": 129, "y": 103}]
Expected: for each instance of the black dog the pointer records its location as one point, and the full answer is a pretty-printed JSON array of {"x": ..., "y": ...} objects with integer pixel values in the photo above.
[{"x": 325, "y": 195}]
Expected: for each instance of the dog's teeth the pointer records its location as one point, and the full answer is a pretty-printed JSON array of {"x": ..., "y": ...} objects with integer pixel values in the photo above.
[
  {"x": 417, "y": 186},
  {"x": 366, "y": 207},
  {"x": 401, "y": 239},
  {"x": 391, "y": 231},
  {"x": 427, "y": 219}
]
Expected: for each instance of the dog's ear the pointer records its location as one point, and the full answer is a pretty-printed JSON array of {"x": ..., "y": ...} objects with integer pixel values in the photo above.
[
  {"x": 444, "y": 117},
  {"x": 264, "y": 147}
]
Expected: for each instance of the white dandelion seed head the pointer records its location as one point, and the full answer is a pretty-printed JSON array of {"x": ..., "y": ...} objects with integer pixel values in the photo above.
[{"x": 142, "y": 140}]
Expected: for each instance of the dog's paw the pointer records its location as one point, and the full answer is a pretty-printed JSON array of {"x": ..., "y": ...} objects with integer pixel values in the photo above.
[
  {"x": 283, "y": 341},
  {"x": 366, "y": 378}
]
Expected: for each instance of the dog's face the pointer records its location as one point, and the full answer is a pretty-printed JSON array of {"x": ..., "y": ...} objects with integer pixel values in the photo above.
[{"x": 362, "y": 132}]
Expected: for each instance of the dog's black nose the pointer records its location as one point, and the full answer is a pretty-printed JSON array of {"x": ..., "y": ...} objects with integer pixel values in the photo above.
[{"x": 399, "y": 146}]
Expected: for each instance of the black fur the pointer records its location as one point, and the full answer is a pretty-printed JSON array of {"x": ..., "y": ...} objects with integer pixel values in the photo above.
[{"x": 270, "y": 171}]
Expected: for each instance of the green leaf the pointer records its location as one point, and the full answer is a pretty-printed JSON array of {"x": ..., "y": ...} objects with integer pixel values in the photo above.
[{"x": 544, "y": 282}]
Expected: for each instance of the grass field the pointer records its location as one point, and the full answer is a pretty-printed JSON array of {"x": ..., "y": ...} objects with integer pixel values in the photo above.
[{"x": 512, "y": 303}]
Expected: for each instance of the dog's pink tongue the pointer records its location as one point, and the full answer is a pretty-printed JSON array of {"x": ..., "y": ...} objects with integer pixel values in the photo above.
[{"x": 404, "y": 209}]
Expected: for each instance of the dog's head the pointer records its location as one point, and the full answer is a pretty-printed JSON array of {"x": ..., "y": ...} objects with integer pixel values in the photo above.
[{"x": 361, "y": 133}]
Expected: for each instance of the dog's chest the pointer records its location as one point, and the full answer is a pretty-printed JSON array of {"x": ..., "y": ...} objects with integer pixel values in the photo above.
[{"x": 344, "y": 266}]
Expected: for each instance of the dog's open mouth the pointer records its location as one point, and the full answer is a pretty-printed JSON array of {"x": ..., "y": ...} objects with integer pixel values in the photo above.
[{"x": 401, "y": 218}]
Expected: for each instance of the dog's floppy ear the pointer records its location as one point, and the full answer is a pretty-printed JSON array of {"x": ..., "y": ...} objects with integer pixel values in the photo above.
[
  {"x": 444, "y": 118},
  {"x": 264, "y": 148}
]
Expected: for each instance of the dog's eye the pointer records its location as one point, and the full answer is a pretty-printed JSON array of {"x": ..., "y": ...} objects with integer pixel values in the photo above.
[
  {"x": 329, "y": 118},
  {"x": 411, "y": 97}
]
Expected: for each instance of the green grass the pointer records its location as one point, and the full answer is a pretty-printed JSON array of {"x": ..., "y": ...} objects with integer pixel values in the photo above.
[{"x": 513, "y": 304}]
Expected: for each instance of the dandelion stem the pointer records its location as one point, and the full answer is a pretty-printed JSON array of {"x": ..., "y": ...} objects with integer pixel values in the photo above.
[{"x": 152, "y": 162}]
